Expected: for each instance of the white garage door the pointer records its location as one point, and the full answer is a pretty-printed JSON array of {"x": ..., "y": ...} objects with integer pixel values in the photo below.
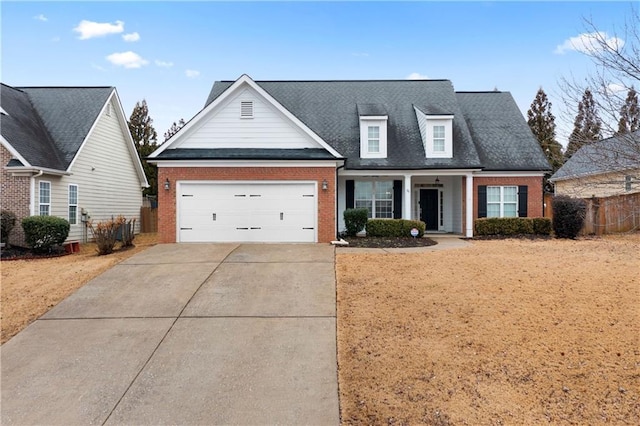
[{"x": 247, "y": 212}]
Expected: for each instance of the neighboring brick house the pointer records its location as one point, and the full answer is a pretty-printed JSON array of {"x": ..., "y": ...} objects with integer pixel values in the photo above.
[
  {"x": 282, "y": 160},
  {"x": 606, "y": 168},
  {"x": 65, "y": 151}
]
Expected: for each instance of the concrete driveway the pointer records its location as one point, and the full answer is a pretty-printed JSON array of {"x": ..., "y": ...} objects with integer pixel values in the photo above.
[{"x": 185, "y": 334}]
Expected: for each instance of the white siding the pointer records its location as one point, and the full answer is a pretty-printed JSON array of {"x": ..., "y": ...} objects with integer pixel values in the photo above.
[
  {"x": 268, "y": 128},
  {"x": 104, "y": 171}
]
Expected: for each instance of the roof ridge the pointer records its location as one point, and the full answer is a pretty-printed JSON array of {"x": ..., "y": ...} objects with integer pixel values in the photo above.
[
  {"x": 339, "y": 81},
  {"x": 64, "y": 87},
  {"x": 480, "y": 91},
  {"x": 11, "y": 87}
]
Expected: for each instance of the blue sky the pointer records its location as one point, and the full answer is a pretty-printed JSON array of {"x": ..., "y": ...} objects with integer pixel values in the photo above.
[{"x": 170, "y": 53}]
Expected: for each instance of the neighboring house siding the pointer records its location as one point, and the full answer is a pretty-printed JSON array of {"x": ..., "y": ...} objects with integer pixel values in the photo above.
[
  {"x": 167, "y": 199},
  {"x": 14, "y": 196},
  {"x": 603, "y": 185},
  {"x": 104, "y": 171},
  {"x": 534, "y": 192},
  {"x": 267, "y": 129}
]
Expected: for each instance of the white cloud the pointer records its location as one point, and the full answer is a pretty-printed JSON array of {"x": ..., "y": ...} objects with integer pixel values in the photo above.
[
  {"x": 192, "y": 73},
  {"x": 89, "y": 29},
  {"x": 127, "y": 60},
  {"x": 417, "y": 76},
  {"x": 615, "y": 88},
  {"x": 41, "y": 17},
  {"x": 589, "y": 43},
  {"x": 163, "y": 64},
  {"x": 131, "y": 37}
]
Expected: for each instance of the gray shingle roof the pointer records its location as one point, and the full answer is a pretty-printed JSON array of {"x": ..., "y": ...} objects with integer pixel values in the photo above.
[
  {"x": 65, "y": 116},
  {"x": 245, "y": 154},
  {"x": 615, "y": 153},
  {"x": 501, "y": 135},
  {"x": 330, "y": 109}
]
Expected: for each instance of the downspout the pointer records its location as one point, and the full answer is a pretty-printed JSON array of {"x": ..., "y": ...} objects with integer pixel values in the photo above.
[
  {"x": 32, "y": 204},
  {"x": 337, "y": 217}
]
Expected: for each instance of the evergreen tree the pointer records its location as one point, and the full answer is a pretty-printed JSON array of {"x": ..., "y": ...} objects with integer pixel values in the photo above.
[
  {"x": 543, "y": 125},
  {"x": 586, "y": 127},
  {"x": 173, "y": 129},
  {"x": 629, "y": 114},
  {"x": 145, "y": 138}
]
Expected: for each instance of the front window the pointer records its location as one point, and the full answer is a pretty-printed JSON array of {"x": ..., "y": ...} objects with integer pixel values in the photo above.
[
  {"x": 502, "y": 201},
  {"x": 73, "y": 204},
  {"x": 44, "y": 200},
  {"x": 373, "y": 139},
  {"x": 376, "y": 197},
  {"x": 438, "y": 138}
]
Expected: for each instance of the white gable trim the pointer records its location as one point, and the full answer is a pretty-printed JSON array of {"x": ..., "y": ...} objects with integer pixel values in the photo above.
[
  {"x": 13, "y": 151},
  {"x": 243, "y": 80},
  {"x": 124, "y": 127}
]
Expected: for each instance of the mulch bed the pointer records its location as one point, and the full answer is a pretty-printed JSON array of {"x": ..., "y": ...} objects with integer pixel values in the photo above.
[
  {"x": 20, "y": 253},
  {"x": 380, "y": 242}
]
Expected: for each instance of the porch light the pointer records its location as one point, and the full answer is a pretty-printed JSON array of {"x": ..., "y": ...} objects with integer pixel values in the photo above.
[
  {"x": 437, "y": 179},
  {"x": 325, "y": 185},
  {"x": 167, "y": 184}
]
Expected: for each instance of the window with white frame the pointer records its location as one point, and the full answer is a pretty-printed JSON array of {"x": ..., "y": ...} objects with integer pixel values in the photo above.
[
  {"x": 376, "y": 197},
  {"x": 44, "y": 199},
  {"x": 373, "y": 136},
  {"x": 502, "y": 201},
  {"x": 438, "y": 139},
  {"x": 373, "y": 139},
  {"x": 73, "y": 204}
]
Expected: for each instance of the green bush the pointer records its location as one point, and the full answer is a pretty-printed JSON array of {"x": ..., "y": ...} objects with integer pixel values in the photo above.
[
  {"x": 43, "y": 233},
  {"x": 8, "y": 220},
  {"x": 391, "y": 228},
  {"x": 355, "y": 220},
  {"x": 568, "y": 216},
  {"x": 506, "y": 226}
]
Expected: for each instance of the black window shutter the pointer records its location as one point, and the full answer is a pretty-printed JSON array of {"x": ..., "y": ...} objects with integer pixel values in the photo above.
[
  {"x": 351, "y": 193},
  {"x": 397, "y": 199},
  {"x": 522, "y": 201},
  {"x": 482, "y": 200}
]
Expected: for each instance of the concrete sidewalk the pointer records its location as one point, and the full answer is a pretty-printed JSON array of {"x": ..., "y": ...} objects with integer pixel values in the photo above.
[{"x": 185, "y": 334}]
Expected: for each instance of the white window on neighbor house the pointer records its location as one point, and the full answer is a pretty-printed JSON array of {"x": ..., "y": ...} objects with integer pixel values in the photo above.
[
  {"x": 73, "y": 204},
  {"x": 373, "y": 137},
  {"x": 44, "y": 199},
  {"x": 627, "y": 183},
  {"x": 246, "y": 109},
  {"x": 502, "y": 201},
  {"x": 438, "y": 139},
  {"x": 376, "y": 197}
]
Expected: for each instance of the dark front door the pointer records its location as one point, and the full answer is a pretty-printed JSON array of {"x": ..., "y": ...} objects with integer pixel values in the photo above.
[{"x": 429, "y": 208}]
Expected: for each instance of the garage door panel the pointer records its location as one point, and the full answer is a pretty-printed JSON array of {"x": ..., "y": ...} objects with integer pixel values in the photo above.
[{"x": 247, "y": 212}]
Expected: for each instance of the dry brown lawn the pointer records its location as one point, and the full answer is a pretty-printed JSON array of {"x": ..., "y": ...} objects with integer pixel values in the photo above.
[
  {"x": 29, "y": 288},
  {"x": 503, "y": 332}
]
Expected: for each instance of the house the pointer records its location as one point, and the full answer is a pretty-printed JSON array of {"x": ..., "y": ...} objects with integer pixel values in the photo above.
[
  {"x": 606, "y": 168},
  {"x": 67, "y": 152},
  {"x": 281, "y": 160}
]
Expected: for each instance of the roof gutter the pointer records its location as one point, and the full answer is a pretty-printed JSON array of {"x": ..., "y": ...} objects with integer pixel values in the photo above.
[{"x": 35, "y": 171}]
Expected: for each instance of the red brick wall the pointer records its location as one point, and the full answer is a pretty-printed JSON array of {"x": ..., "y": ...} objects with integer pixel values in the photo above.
[
  {"x": 167, "y": 199},
  {"x": 14, "y": 196},
  {"x": 534, "y": 191}
]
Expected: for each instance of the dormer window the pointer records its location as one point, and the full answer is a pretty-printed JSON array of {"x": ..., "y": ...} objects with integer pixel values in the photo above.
[
  {"x": 246, "y": 109},
  {"x": 438, "y": 139},
  {"x": 437, "y": 133},
  {"x": 373, "y": 136}
]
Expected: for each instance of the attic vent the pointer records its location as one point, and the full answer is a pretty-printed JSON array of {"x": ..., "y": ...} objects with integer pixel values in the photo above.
[
  {"x": 108, "y": 110},
  {"x": 246, "y": 109}
]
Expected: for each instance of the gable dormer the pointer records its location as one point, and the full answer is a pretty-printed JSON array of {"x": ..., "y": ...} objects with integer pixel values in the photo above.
[
  {"x": 437, "y": 134},
  {"x": 373, "y": 130}
]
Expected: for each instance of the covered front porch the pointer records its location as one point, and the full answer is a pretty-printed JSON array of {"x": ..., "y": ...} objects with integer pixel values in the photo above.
[{"x": 443, "y": 199}]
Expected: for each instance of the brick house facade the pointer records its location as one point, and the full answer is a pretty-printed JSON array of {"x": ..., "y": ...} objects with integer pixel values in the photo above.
[{"x": 15, "y": 197}]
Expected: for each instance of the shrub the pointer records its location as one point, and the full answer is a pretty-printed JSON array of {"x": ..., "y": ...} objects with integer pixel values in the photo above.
[
  {"x": 43, "y": 233},
  {"x": 568, "y": 216},
  {"x": 125, "y": 232},
  {"x": 105, "y": 234},
  {"x": 355, "y": 220},
  {"x": 512, "y": 226},
  {"x": 391, "y": 228},
  {"x": 8, "y": 220}
]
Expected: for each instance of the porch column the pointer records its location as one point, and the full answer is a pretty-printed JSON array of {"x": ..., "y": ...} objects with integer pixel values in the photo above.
[
  {"x": 469, "y": 205},
  {"x": 406, "y": 199}
]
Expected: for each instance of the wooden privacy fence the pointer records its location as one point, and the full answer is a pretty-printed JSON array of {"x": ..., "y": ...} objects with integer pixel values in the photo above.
[
  {"x": 608, "y": 215},
  {"x": 148, "y": 219}
]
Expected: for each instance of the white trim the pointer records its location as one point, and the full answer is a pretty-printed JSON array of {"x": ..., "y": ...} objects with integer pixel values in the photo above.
[
  {"x": 244, "y": 79},
  {"x": 179, "y": 184},
  {"x": 13, "y": 151},
  {"x": 247, "y": 163},
  {"x": 509, "y": 174},
  {"x": 381, "y": 124},
  {"x": 406, "y": 197},
  {"x": 28, "y": 171},
  {"x": 401, "y": 172},
  {"x": 69, "y": 204},
  {"x": 438, "y": 117},
  {"x": 374, "y": 117},
  {"x": 40, "y": 203},
  {"x": 469, "y": 206}
]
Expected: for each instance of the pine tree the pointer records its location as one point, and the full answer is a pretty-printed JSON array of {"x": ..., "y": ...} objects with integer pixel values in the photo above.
[
  {"x": 629, "y": 114},
  {"x": 543, "y": 125},
  {"x": 145, "y": 138},
  {"x": 587, "y": 127},
  {"x": 173, "y": 129}
]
